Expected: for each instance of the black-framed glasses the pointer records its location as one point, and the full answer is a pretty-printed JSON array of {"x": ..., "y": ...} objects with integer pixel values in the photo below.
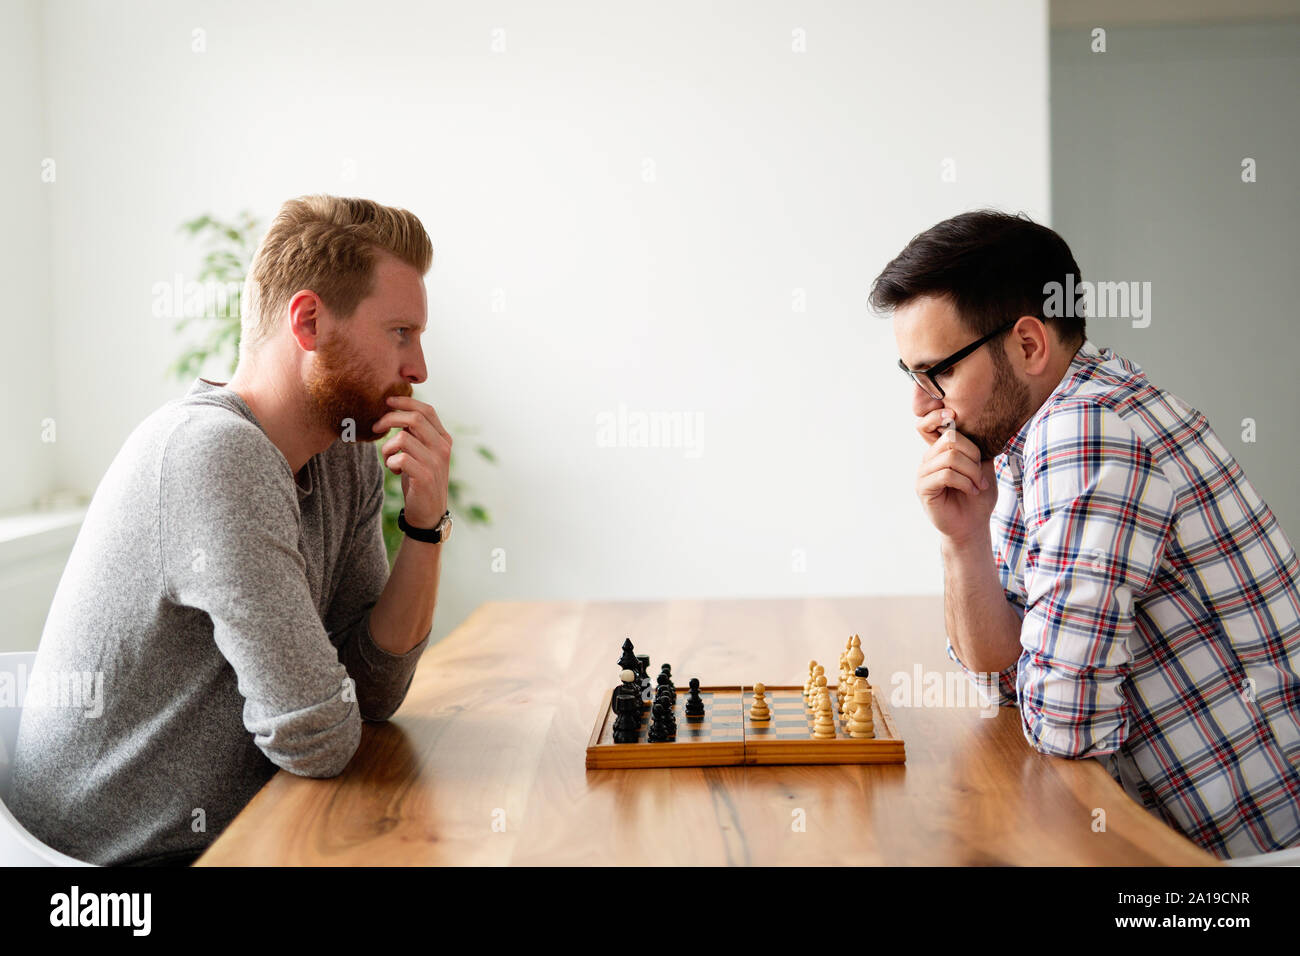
[{"x": 925, "y": 377}]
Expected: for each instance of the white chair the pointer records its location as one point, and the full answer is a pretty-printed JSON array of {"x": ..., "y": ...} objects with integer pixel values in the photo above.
[{"x": 17, "y": 846}]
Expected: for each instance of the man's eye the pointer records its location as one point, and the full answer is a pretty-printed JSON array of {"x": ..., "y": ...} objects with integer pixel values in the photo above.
[{"x": 944, "y": 374}]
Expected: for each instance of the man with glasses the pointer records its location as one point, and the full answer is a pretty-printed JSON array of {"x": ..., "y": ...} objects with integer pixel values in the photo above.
[{"x": 1108, "y": 567}]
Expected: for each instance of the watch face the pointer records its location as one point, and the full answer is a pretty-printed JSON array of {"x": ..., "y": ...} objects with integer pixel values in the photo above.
[{"x": 445, "y": 527}]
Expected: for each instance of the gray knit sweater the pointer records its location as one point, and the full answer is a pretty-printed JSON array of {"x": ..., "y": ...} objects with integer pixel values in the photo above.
[{"x": 222, "y": 608}]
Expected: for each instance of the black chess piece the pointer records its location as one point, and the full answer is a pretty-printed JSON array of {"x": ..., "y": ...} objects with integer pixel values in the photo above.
[
  {"x": 695, "y": 703},
  {"x": 658, "y": 724},
  {"x": 624, "y": 732},
  {"x": 666, "y": 684},
  {"x": 628, "y": 661},
  {"x": 670, "y": 717},
  {"x": 627, "y": 708},
  {"x": 643, "y": 671},
  {"x": 633, "y": 690},
  {"x": 861, "y": 671}
]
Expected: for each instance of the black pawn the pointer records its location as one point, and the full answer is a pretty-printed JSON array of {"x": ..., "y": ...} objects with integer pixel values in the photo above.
[
  {"x": 670, "y": 719},
  {"x": 695, "y": 703},
  {"x": 666, "y": 686},
  {"x": 658, "y": 725}
]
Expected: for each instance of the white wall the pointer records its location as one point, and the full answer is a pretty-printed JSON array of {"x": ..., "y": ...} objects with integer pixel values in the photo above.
[
  {"x": 33, "y": 550},
  {"x": 774, "y": 171},
  {"x": 27, "y": 385}
]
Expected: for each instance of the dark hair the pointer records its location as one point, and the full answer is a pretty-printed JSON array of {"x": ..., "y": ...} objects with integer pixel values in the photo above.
[{"x": 991, "y": 265}]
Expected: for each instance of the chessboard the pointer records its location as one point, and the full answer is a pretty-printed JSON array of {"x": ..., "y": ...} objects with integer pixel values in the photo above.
[{"x": 727, "y": 736}]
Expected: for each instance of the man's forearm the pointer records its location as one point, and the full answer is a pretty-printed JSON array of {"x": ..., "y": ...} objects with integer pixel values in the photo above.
[
  {"x": 982, "y": 626},
  {"x": 403, "y": 614}
]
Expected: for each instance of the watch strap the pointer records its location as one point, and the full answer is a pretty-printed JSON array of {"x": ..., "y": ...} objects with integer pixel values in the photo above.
[{"x": 431, "y": 535}]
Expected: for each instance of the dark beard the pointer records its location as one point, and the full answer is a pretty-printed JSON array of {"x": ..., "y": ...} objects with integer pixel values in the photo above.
[
  {"x": 338, "y": 390},
  {"x": 1006, "y": 412}
]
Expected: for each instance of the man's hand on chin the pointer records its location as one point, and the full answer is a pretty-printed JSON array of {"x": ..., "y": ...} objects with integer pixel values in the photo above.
[
  {"x": 957, "y": 490},
  {"x": 421, "y": 454}
]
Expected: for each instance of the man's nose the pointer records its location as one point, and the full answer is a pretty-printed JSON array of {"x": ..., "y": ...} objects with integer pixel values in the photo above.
[
  {"x": 416, "y": 372},
  {"x": 923, "y": 402}
]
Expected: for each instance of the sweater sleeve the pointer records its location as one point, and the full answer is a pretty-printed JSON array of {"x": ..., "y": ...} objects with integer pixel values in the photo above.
[
  {"x": 382, "y": 678},
  {"x": 229, "y": 530}
]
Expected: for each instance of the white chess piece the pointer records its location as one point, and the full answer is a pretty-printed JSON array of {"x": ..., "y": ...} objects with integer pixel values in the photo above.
[
  {"x": 824, "y": 725},
  {"x": 861, "y": 725}
]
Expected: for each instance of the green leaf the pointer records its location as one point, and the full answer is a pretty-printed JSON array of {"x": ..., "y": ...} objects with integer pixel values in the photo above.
[
  {"x": 485, "y": 452},
  {"x": 194, "y": 225}
]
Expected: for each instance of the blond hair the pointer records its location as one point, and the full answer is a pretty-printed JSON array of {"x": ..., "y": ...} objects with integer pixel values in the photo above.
[{"x": 326, "y": 244}]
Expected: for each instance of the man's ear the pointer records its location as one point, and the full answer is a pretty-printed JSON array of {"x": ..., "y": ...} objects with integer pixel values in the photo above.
[
  {"x": 304, "y": 310},
  {"x": 1033, "y": 343}
]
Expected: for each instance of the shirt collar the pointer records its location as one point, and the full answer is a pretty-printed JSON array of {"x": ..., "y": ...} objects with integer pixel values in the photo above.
[{"x": 1087, "y": 355}]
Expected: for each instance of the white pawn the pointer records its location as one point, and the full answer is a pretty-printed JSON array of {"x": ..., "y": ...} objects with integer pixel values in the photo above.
[
  {"x": 818, "y": 688},
  {"x": 759, "y": 709},
  {"x": 818, "y": 671},
  {"x": 861, "y": 724},
  {"x": 824, "y": 725},
  {"x": 807, "y": 685},
  {"x": 845, "y": 694}
]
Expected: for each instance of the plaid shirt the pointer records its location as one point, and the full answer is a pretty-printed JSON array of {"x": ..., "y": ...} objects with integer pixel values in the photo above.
[{"x": 1160, "y": 606}]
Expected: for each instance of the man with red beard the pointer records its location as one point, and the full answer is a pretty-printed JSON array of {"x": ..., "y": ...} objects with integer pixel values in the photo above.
[
  {"x": 230, "y": 589},
  {"x": 1108, "y": 568}
]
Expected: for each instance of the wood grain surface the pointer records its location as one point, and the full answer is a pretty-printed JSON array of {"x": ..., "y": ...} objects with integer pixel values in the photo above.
[{"x": 483, "y": 764}]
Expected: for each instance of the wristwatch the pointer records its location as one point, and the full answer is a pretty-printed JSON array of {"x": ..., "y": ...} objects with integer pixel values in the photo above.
[{"x": 432, "y": 535}]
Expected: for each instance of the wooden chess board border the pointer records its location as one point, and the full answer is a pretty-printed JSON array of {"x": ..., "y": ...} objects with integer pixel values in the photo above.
[{"x": 886, "y": 747}]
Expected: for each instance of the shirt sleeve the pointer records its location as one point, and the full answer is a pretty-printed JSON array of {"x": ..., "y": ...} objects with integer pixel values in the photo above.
[
  {"x": 998, "y": 689},
  {"x": 382, "y": 678},
  {"x": 229, "y": 529},
  {"x": 1098, "y": 514},
  {"x": 1007, "y": 533}
]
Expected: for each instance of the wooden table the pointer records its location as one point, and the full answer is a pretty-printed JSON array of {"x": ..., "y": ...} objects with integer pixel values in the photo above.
[{"x": 484, "y": 762}]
